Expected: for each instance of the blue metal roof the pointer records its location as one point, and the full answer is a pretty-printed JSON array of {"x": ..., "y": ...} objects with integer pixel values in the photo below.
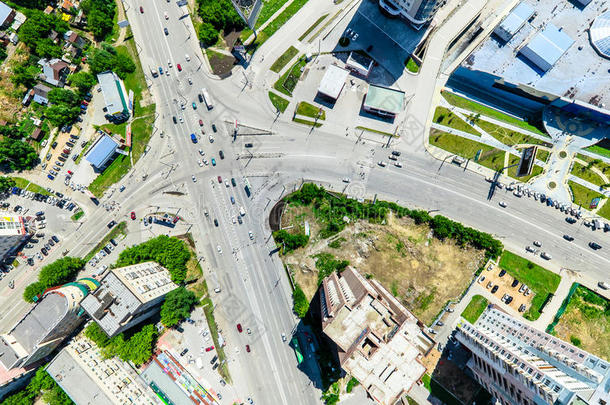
[
  {"x": 547, "y": 47},
  {"x": 102, "y": 151},
  {"x": 5, "y": 11},
  {"x": 517, "y": 18}
]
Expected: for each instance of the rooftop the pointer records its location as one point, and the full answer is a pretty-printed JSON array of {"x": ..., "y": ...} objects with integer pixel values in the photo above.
[
  {"x": 547, "y": 46},
  {"x": 333, "y": 81},
  {"x": 600, "y": 34},
  {"x": 575, "y": 74},
  {"x": 112, "y": 90},
  {"x": 385, "y": 98},
  {"x": 101, "y": 151},
  {"x": 11, "y": 224},
  {"x": 5, "y": 11}
]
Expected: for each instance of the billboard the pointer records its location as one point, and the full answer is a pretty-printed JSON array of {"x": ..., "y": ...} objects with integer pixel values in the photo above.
[
  {"x": 248, "y": 10},
  {"x": 528, "y": 157}
]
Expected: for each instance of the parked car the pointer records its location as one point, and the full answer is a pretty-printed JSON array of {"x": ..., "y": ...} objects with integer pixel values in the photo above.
[
  {"x": 239, "y": 328},
  {"x": 595, "y": 246},
  {"x": 494, "y": 289},
  {"x": 133, "y": 215}
]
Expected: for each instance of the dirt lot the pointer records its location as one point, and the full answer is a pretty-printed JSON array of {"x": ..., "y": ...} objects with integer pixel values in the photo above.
[
  {"x": 492, "y": 275},
  {"x": 423, "y": 272}
]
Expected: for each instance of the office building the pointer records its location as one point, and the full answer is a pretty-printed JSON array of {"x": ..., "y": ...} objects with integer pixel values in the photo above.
[
  {"x": 115, "y": 96},
  {"x": 45, "y": 326},
  {"x": 12, "y": 233},
  {"x": 102, "y": 151},
  {"x": 378, "y": 341},
  {"x": 416, "y": 12},
  {"x": 89, "y": 378},
  {"x": 520, "y": 365},
  {"x": 128, "y": 296}
]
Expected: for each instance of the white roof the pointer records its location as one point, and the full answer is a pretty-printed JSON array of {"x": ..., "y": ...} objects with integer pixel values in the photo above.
[{"x": 333, "y": 81}]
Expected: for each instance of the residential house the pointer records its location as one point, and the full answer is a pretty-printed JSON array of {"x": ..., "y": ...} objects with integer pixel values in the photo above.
[
  {"x": 54, "y": 71},
  {"x": 41, "y": 94},
  {"x": 4, "y": 39},
  {"x": 73, "y": 38},
  {"x": 37, "y": 134},
  {"x": 7, "y": 15},
  {"x": 54, "y": 36}
]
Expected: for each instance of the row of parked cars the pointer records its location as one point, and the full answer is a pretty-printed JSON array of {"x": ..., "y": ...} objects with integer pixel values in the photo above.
[
  {"x": 45, "y": 249},
  {"x": 58, "y": 200},
  {"x": 106, "y": 250}
]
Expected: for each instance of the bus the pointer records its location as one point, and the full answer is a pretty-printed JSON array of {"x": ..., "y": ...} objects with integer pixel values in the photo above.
[
  {"x": 207, "y": 99},
  {"x": 297, "y": 349}
]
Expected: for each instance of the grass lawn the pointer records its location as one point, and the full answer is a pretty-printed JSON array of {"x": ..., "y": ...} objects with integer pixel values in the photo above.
[
  {"x": 488, "y": 111},
  {"x": 141, "y": 131},
  {"x": 278, "y": 102},
  {"x": 119, "y": 229},
  {"x": 604, "y": 211},
  {"x": 277, "y": 23},
  {"x": 310, "y": 110},
  {"x": 268, "y": 8},
  {"x": 586, "y": 322},
  {"x": 376, "y": 131},
  {"x": 490, "y": 157},
  {"x": 599, "y": 150},
  {"x": 581, "y": 171},
  {"x": 288, "y": 81},
  {"x": 412, "y": 66},
  {"x": 312, "y": 27},
  {"x": 509, "y": 137},
  {"x": 475, "y": 308},
  {"x": 284, "y": 59},
  {"x": 306, "y": 122},
  {"x": 444, "y": 116},
  {"x": 77, "y": 215},
  {"x": 113, "y": 173},
  {"x": 541, "y": 281},
  {"x": 597, "y": 163},
  {"x": 543, "y": 155},
  {"x": 208, "y": 309},
  {"x": 23, "y": 184},
  {"x": 512, "y": 172},
  {"x": 582, "y": 195}
]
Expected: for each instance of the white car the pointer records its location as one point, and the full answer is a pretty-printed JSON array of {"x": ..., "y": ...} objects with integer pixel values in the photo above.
[
  {"x": 545, "y": 255},
  {"x": 251, "y": 235},
  {"x": 227, "y": 183},
  {"x": 187, "y": 57},
  {"x": 190, "y": 81},
  {"x": 530, "y": 249},
  {"x": 503, "y": 204},
  {"x": 398, "y": 164},
  {"x": 166, "y": 16},
  {"x": 537, "y": 243},
  {"x": 201, "y": 152},
  {"x": 200, "y": 163},
  {"x": 219, "y": 249},
  {"x": 382, "y": 163},
  {"x": 211, "y": 139},
  {"x": 346, "y": 180},
  {"x": 603, "y": 285},
  {"x": 181, "y": 120},
  {"x": 194, "y": 178}
]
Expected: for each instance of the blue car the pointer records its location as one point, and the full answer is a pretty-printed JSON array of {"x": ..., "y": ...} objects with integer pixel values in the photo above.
[
  {"x": 160, "y": 70},
  {"x": 213, "y": 162},
  {"x": 50, "y": 176},
  {"x": 193, "y": 138}
]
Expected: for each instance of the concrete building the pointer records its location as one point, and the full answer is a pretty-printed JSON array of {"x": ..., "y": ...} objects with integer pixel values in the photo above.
[
  {"x": 547, "y": 46},
  {"x": 115, "y": 96},
  {"x": 359, "y": 64},
  {"x": 384, "y": 101},
  {"x": 102, "y": 151},
  {"x": 40, "y": 94},
  {"x": 88, "y": 378},
  {"x": 333, "y": 81},
  {"x": 45, "y": 326},
  {"x": 7, "y": 15},
  {"x": 520, "y": 365},
  {"x": 128, "y": 296},
  {"x": 12, "y": 233},
  {"x": 417, "y": 12},
  {"x": 514, "y": 21},
  {"x": 54, "y": 71},
  {"x": 600, "y": 34},
  {"x": 378, "y": 341}
]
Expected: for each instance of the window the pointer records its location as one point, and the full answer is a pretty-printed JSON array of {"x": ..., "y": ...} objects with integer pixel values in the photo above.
[{"x": 557, "y": 388}]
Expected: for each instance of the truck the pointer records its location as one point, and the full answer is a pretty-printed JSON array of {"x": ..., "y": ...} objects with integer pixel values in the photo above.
[
  {"x": 207, "y": 99},
  {"x": 193, "y": 138}
]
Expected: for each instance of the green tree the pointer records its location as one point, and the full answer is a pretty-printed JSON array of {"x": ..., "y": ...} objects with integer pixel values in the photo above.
[
  {"x": 207, "y": 34},
  {"x": 32, "y": 290},
  {"x": 46, "y": 48},
  {"x": 6, "y": 183},
  {"x": 82, "y": 80},
  {"x": 300, "y": 304},
  {"x": 290, "y": 242},
  {"x": 17, "y": 155},
  {"x": 123, "y": 65},
  {"x": 60, "y": 114},
  {"x": 60, "y": 271},
  {"x": 24, "y": 74},
  {"x": 139, "y": 347},
  {"x": 97, "y": 334},
  {"x": 99, "y": 24},
  {"x": 177, "y": 306},
  {"x": 64, "y": 96}
]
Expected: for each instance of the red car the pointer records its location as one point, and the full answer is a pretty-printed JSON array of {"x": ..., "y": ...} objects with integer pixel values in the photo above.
[
  {"x": 239, "y": 329},
  {"x": 70, "y": 172},
  {"x": 219, "y": 179},
  {"x": 133, "y": 215},
  {"x": 176, "y": 218},
  {"x": 209, "y": 349},
  {"x": 179, "y": 67},
  {"x": 248, "y": 348},
  {"x": 84, "y": 102},
  {"x": 200, "y": 123},
  {"x": 141, "y": 10}
]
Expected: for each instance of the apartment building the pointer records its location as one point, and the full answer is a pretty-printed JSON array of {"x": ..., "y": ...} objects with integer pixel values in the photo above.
[
  {"x": 518, "y": 364},
  {"x": 128, "y": 296},
  {"x": 12, "y": 233},
  {"x": 417, "y": 12},
  {"x": 378, "y": 341}
]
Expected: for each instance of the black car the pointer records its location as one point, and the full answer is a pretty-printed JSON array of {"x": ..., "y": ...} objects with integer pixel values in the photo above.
[
  {"x": 111, "y": 224},
  {"x": 60, "y": 195},
  {"x": 30, "y": 261},
  {"x": 221, "y": 154},
  {"x": 494, "y": 289},
  {"x": 200, "y": 98},
  {"x": 215, "y": 222},
  {"x": 395, "y": 153},
  {"x": 515, "y": 283},
  {"x": 595, "y": 246},
  {"x": 509, "y": 299},
  {"x": 113, "y": 242},
  {"x": 106, "y": 250},
  {"x": 53, "y": 145},
  {"x": 44, "y": 251},
  {"x": 233, "y": 182},
  {"x": 214, "y": 128},
  {"x": 51, "y": 242},
  {"x": 165, "y": 31},
  {"x": 55, "y": 238},
  {"x": 175, "y": 120},
  {"x": 182, "y": 353},
  {"x": 570, "y": 220},
  {"x": 568, "y": 238},
  {"x": 214, "y": 359},
  {"x": 502, "y": 273},
  {"x": 248, "y": 145},
  {"x": 215, "y": 366}
]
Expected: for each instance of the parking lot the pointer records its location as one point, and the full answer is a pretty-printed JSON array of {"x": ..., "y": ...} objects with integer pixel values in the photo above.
[{"x": 503, "y": 285}]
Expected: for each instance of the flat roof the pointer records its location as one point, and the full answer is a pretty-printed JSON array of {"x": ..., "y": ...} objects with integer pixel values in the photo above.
[
  {"x": 156, "y": 378},
  {"x": 385, "y": 99},
  {"x": 11, "y": 224},
  {"x": 333, "y": 81},
  {"x": 114, "y": 98},
  {"x": 103, "y": 149},
  {"x": 547, "y": 46},
  {"x": 517, "y": 17},
  {"x": 575, "y": 75}
]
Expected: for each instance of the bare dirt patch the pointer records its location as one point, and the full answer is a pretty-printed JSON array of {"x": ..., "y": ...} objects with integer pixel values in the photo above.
[{"x": 423, "y": 272}]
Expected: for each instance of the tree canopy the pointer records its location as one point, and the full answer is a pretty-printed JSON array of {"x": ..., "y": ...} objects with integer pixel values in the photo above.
[
  {"x": 300, "y": 305},
  {"x": 217, "y": 15},
  {"x": 82, "y": 80},
  {"x": 6, "y": 183},
  {"x": 59, "y": 272},
  {"x": 100, "y": 16},
  {"x": 35, "y": 33},
  {"x": 177, "y": 306},
  {"x": 17, "y": 155},
  {"x": 108, "y": 59},
  {"x": 138, "y": 348},
  {"x": 171, "y": 253},
  {"x": 41, "y": 385}
]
